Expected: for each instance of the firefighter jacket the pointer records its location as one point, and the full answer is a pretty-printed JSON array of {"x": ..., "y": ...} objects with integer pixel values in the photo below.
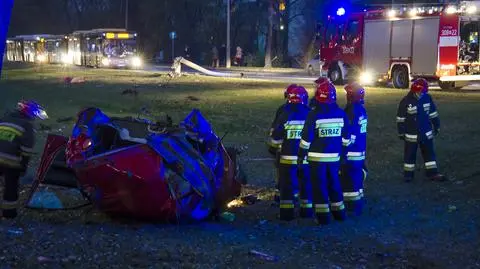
[
  {"x": 277, "y": 113},
  {"x": 325, "y": 135},
  {"x": 313, "y": 103},
  {"x": 357, "y": 117},
  {"x": 287, "y": 132},
  {"x": 417, "y": 119},
  {"x": 16, "y": 140}
]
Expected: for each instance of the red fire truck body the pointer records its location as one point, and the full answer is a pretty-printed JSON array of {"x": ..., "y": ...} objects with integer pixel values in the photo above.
[{"x": 388, "y": 45}]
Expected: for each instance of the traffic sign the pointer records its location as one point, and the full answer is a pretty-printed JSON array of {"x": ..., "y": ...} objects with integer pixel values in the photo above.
[{"x": 173, "y": 35}]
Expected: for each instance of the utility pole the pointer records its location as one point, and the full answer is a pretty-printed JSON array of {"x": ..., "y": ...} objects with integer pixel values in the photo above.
[
  {"x": 227, "y": 54},
  {"x": 126, "y": 14}
]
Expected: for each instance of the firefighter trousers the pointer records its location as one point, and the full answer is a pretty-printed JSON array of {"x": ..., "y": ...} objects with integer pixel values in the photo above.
[
  {"x": 10, "y": 192},
  {"x": 327, "y": 191},
  {"x": 410, "y": 157},
  {"x": 295, "y": 183},
  {"x": 352, "y": 185},
  {"x": 288, "y": 176}
]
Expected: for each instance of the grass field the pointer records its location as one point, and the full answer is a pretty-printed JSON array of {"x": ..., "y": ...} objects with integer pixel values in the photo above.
[{"x": 416, "y": 225}]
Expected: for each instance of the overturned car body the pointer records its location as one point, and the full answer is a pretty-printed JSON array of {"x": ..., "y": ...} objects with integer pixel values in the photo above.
[{"x": 131, "y": 167}]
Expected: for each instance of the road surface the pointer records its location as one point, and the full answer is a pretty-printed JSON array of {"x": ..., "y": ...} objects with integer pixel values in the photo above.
[{"x": 294, "y": 77}]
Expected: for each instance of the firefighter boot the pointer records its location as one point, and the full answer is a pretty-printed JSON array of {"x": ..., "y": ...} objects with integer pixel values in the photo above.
[
  {"x": 322, "y": 214},
  {"x": 305, "y": 192},
  {"x": 10, "y": 194},
  {"x": 335, "y": 192},
  {"x": 287, "y": 206}
]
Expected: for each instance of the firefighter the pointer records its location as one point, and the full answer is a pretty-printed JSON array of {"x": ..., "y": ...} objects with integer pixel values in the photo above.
[
  {"x": 417, "y": 123},
  {"x": 274, "y": 149},
  {"x": 353, "y": 162},
  {"x": 324, "y": 138},
  {"x": 16, "y": 144},
  {"x": 286, "y": 136},
  {"x": 282, "y": 107}
]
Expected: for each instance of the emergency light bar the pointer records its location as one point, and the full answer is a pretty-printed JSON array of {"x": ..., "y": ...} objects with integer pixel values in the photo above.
[{"x": 419, "y": 9}]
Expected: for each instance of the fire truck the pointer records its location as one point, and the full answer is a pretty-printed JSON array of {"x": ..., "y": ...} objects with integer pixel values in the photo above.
[{"x": 396, "y": 44}]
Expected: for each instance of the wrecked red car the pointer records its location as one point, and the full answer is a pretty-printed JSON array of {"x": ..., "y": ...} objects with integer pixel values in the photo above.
[{"x": 132, "y": 167}]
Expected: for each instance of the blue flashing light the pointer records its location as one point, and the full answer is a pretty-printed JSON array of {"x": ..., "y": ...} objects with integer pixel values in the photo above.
[
  {"x": 5, "y": 12},
  {"x": 341, "y": 11}
]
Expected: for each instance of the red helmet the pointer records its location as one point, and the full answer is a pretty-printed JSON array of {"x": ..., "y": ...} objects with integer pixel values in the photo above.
[
  {"x": 355, "y": 93},
  {"x": 288, "y": 90},
  {"x": 298, "y": 95},
  {"x": 325, "y": 92},
  {"x": 420, "y": 86}
]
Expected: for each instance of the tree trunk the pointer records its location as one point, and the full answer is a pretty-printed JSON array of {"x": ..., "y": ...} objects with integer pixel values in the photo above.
[{"x": 268, "y": 51}]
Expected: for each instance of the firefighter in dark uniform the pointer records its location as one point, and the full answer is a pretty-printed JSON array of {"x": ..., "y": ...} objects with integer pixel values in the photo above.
[
  {"x": 286, "y": 136},
  {"x": 281, "y": 108},
  {"x": 417, "y": 123},
  {"x": 16, "y": 144},
  {"x": 325, "y": 137},
  {"x": 274, "y": 149},
  {"x": 353, "y": 162}
]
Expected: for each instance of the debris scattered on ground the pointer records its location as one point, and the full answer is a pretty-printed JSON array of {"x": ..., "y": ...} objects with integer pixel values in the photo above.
[
  {"x": 230, "y": 217},
  {"x": 131, "y": 92},
  {"x": 16, "y": 231},
  {"x": 44, "y": 127},
  {"x": 263, "y": 255},
  {"x": 249, "y": 199},
  {"x": 65, "y": 119},
  {"x": 42, "y": 259},
  {"x": 74, "y": 80},
  {"x": 192, "y": 98}
]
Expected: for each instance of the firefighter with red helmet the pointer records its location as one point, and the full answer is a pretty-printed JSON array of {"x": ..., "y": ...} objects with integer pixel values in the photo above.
[
  {"x": 281, "y": 108},
  {"x": 16, "y": 145},
  {"x": 325, "y": 137},
  {"x": 286, "y": 137},
  {"x": 353, "y": 168},
  {"x": 313, "y": 102},
  {"x": 274, "y": 148},
  {"x": 418, "y": 123}
]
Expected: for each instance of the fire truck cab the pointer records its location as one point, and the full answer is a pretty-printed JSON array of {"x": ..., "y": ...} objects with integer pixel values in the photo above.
[{"x": 400, "y": 43}]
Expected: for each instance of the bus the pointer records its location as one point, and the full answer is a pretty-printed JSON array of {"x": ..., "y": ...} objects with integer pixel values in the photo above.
[{"x": 104, "y": 48}]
